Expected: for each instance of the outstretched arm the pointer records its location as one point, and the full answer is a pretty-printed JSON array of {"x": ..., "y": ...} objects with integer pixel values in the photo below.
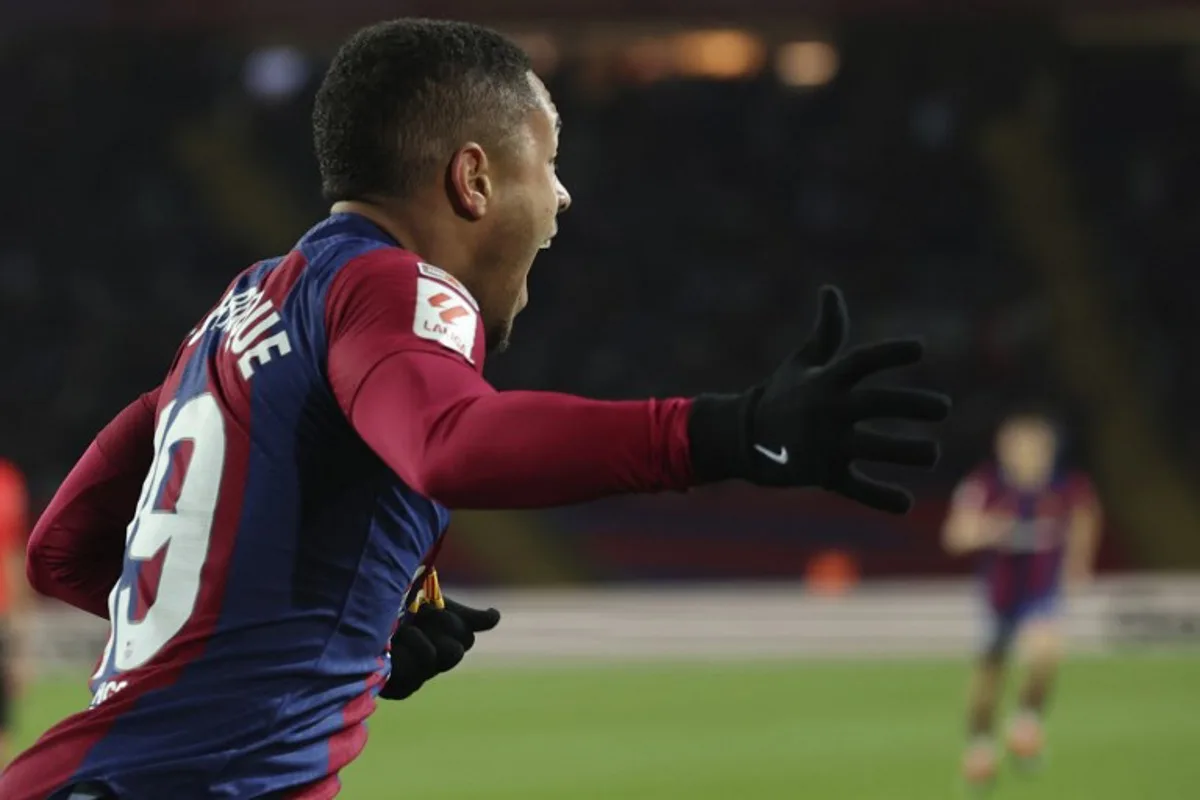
[
  {"x": 404, "y": 370},
  {"x": 462, "y": 443}
]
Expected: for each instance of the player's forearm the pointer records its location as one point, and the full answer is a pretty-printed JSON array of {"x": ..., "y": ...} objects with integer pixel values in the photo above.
[
  {"x": 76, "y": 549},
  {"x": 74, "y": 554},
  {"x": 487, "y": 449}
]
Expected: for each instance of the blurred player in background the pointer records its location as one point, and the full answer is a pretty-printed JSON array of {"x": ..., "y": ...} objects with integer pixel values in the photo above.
[
  {"x": 14, "y": 595},
  {"x": 252, "y": 528},
  {"x": 1035, "y": 527}
]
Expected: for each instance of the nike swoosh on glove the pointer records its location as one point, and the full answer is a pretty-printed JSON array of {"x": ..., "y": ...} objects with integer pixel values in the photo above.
[{"x": 801, "y": 426}]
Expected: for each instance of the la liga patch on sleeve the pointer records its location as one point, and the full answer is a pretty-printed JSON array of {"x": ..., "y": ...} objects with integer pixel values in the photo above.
[{"x": 444, "y": 315}]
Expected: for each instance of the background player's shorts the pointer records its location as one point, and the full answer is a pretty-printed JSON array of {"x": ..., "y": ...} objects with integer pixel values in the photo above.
[{"x": 1003, "y": 625}]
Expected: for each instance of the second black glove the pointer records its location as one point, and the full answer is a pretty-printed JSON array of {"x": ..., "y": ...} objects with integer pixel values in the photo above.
[{"x": 432, "y": 641}]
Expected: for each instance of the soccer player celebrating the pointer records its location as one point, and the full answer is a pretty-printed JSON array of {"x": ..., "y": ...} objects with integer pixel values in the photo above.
[
  {"x": 1035, "y": 525},
  {"x": 253, "y": 528}
]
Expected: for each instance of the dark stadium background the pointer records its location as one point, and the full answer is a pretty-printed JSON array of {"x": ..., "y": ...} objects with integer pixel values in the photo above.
[{"x": 154, "y": 149}]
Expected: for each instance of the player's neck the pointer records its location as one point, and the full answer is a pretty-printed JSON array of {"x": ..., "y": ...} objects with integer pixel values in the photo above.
[{"x": 421, "y": 234}]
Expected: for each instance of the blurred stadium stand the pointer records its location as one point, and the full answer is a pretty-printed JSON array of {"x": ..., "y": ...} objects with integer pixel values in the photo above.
[{"x": 1021, "y": 189}]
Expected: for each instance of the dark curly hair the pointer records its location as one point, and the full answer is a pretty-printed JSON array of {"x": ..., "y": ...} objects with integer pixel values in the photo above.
[{"x": 401, "y": 96}]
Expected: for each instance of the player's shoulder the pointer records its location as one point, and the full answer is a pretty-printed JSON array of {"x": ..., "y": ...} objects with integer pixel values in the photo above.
[
  {"x": 390, "y": 268},
  {"x": 432, "y": 276},
  {"x": 394, "y": 294},
  {"x": 349, "y": 249},
  {"x": 329, "y": 249},
  {"x": 365, "y": 283}
]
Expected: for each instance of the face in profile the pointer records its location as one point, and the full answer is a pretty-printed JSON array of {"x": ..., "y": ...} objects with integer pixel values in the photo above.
[
  {"x": 1027, "y": 448},
  {"x": 528, "y": 199}
]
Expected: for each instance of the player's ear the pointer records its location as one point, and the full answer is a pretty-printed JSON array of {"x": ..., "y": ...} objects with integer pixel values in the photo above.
[{"x": 468, "y": 181}]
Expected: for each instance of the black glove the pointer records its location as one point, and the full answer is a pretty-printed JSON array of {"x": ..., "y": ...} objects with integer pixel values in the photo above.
[
  {"x": 433, "y": 641},
  {"x": 800, "y": 426}
]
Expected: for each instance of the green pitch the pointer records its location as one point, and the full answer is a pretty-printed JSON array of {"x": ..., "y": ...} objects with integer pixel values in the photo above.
[{"x": 1122, "y": 728}]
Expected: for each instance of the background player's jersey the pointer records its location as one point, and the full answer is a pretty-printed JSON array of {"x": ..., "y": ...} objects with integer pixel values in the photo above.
[
  {"x": 272, "y": 550},
  {"x": 1026, "y": 565}
]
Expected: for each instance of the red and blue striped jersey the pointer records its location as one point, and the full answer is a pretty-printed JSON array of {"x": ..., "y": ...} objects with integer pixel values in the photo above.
[
  {"x": 272, "y": 550},
  {"x": 1026, "y": 565}
]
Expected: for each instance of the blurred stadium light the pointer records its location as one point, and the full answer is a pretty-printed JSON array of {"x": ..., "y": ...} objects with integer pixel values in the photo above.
[
  {"x": 719, "y": 54},
  {"x": 806, "y": 64}
]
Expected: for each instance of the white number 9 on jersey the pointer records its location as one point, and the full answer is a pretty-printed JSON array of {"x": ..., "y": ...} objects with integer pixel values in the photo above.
[{"x": 174, "y": 519}]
